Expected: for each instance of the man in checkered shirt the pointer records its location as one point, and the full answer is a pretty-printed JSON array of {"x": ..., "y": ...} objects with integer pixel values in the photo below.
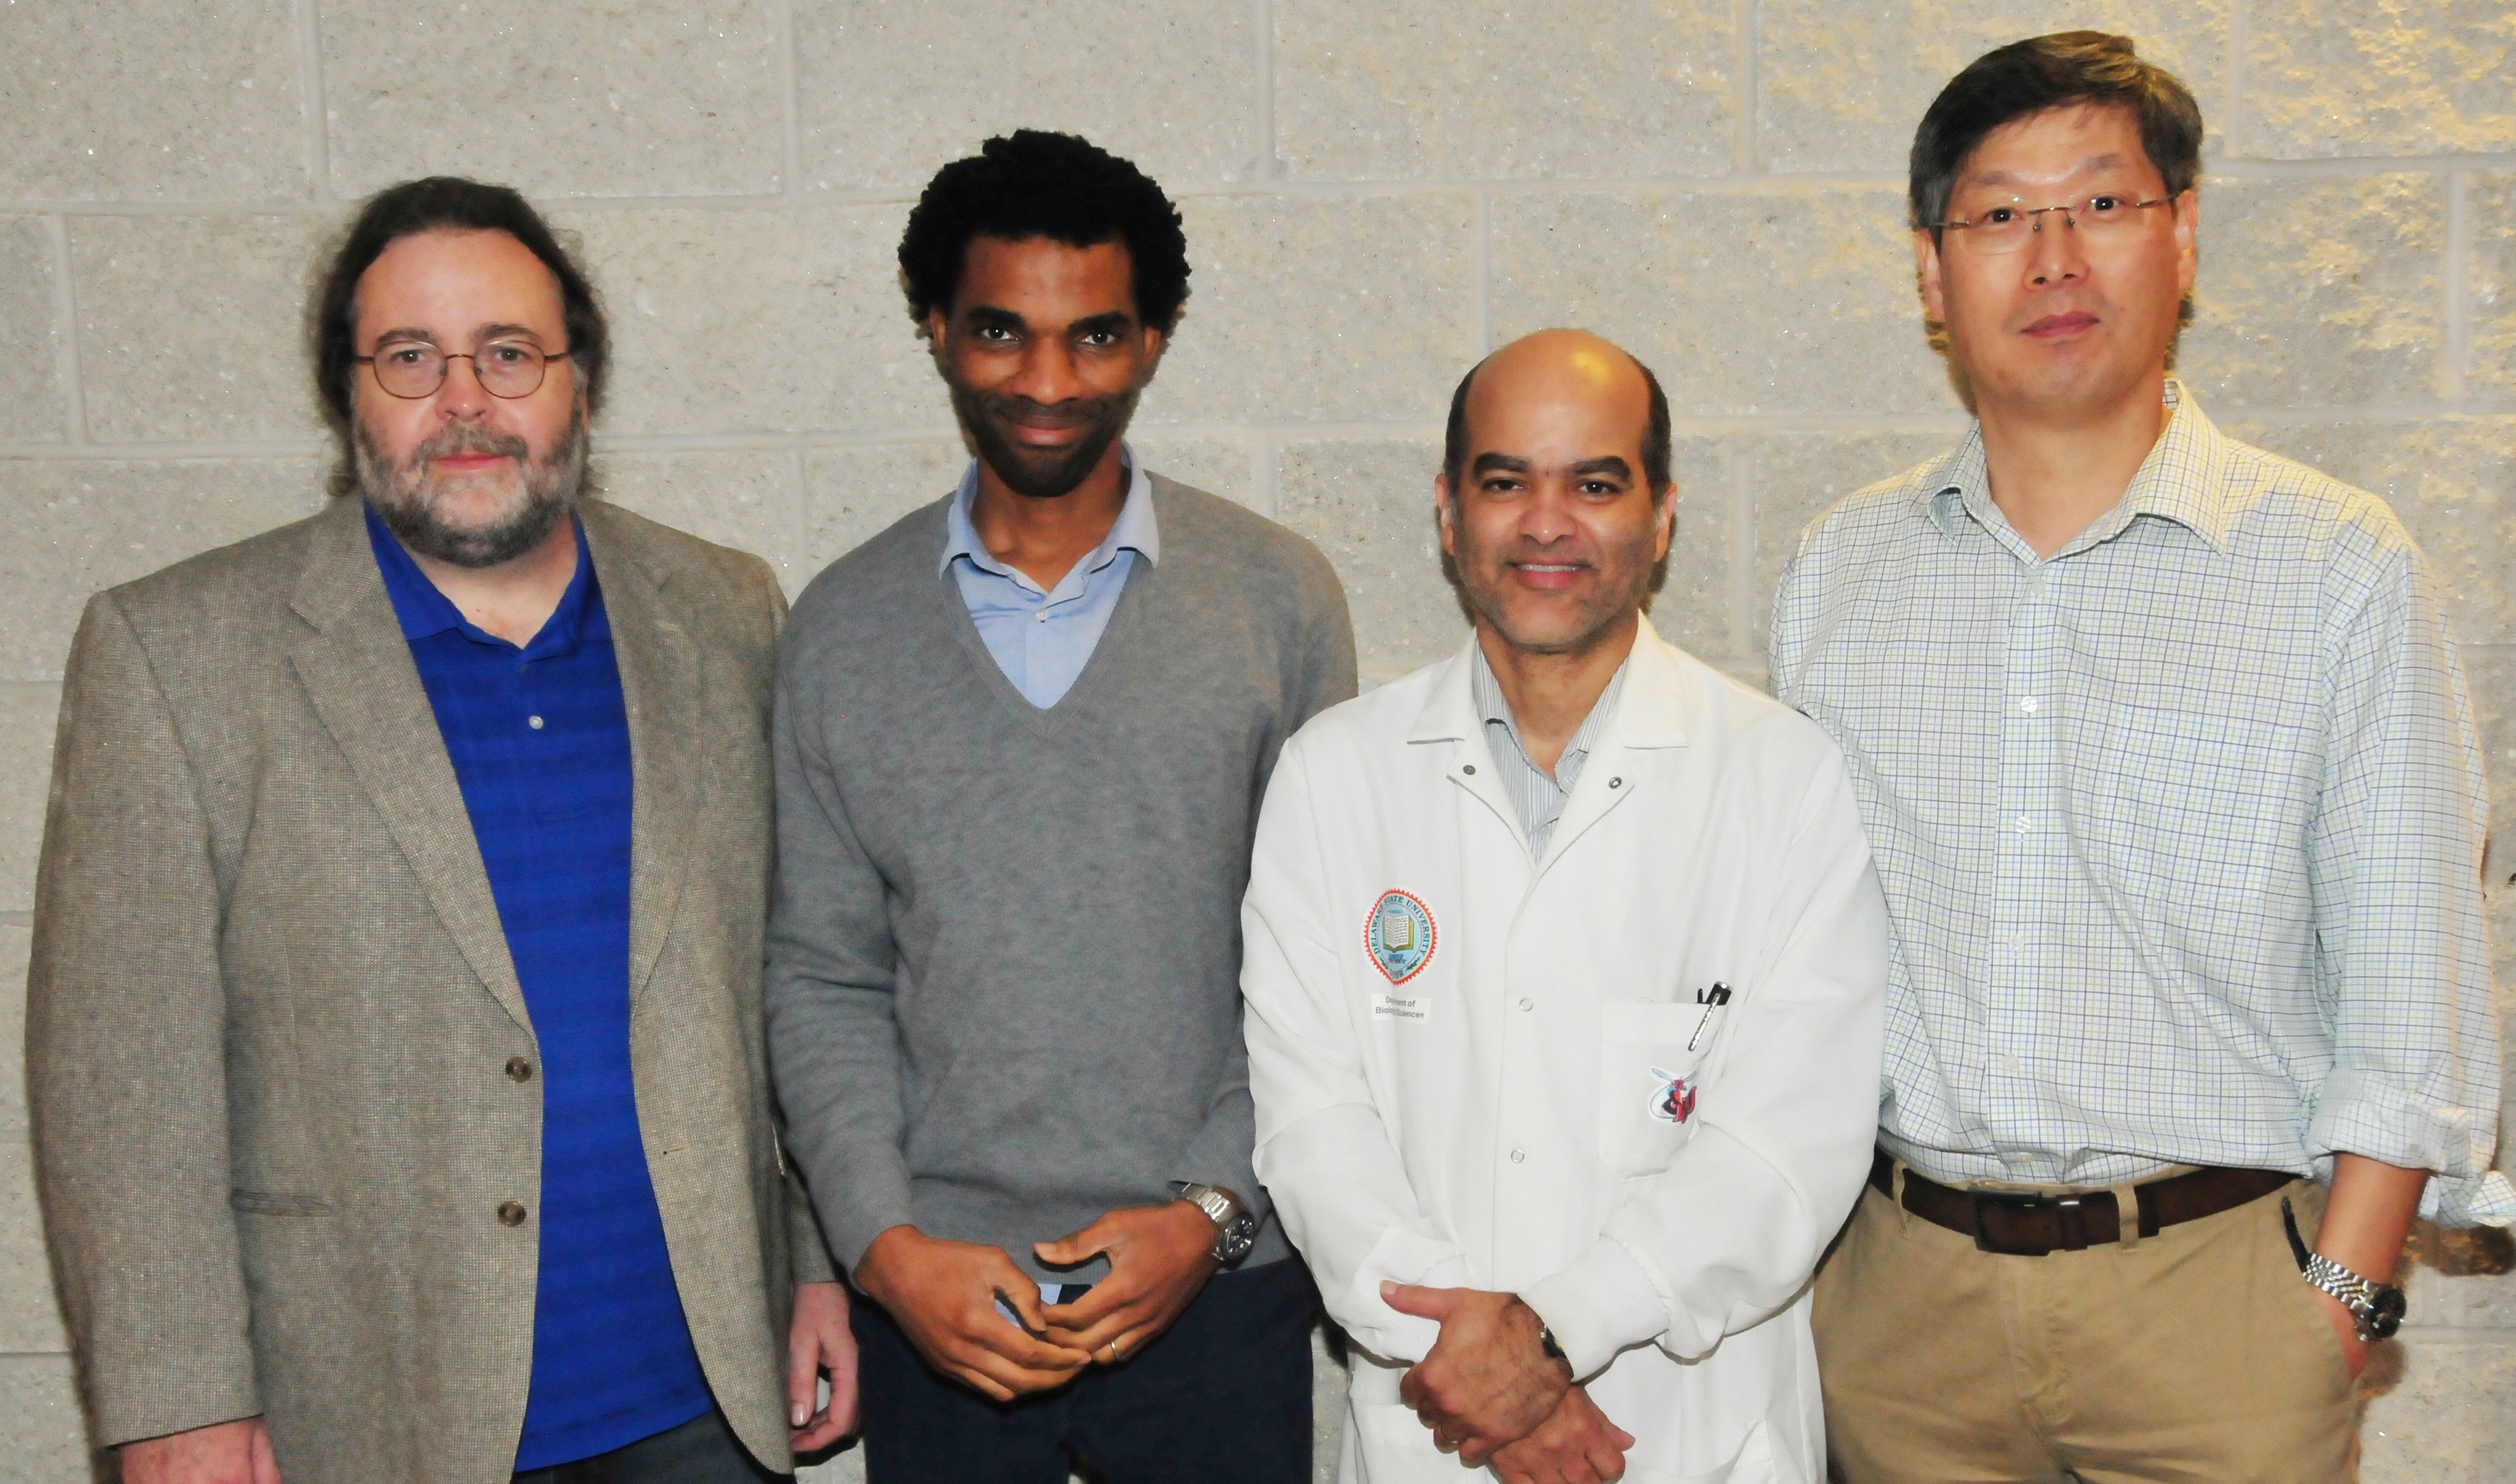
[{"x": 2163, "y": 752}]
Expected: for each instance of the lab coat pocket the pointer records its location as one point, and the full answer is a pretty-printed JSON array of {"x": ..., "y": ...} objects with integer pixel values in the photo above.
[{"x": 1646, "y": 1073}]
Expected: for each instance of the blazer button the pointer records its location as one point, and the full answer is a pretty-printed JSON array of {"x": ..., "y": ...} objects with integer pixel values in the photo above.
[
  {"x": 519, "y": 1069},
  {"x": 511, "y": 1213}
]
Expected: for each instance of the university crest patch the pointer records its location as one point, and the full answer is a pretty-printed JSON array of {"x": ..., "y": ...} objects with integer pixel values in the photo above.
[{"x": 1400, "y": 935}]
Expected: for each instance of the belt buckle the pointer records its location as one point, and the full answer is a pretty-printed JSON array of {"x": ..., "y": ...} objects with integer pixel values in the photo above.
[{"x": 1986, "y": 1202}]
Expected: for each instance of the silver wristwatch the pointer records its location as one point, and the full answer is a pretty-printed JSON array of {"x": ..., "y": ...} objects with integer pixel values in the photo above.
[
  {"x": 2376, "y": 1308},
  {"x": 1236, "y": 1231}
]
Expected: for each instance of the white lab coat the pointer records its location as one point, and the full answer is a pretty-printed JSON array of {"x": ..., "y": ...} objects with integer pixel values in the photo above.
[{"x": 1503, "y": 1118}]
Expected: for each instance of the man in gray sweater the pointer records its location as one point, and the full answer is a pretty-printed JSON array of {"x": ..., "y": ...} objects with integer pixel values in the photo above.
[{"x": 1022, "y": 738}]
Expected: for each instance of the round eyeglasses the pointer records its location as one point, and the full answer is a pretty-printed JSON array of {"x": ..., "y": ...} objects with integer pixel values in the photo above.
[
  {"x": 2007, "y": 227},
  {"x": 507, "y": 369}
]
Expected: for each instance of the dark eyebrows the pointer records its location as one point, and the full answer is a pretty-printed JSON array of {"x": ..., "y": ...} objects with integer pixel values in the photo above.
[
  {"x": 1610, "y": 466},
  {"x": 1115, "y": 322},
  {"x": 1490, "y": 462},
  {"x": 482, "y": 336}
]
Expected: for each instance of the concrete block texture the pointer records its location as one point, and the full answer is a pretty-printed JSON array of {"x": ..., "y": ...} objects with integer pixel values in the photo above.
[
  {"x": 30, "y": 1319},
  {"x": 43, "y": 1439},
  {"x": 81, "y": 526},
  {"x": 1375, "y": 196},
  {"x": 151, "y": 101},
  {"x": 2490, "y": 290},
  {"x": 1840, "y": 86},
  {"x": 568, "y": 98},
  {"x": 34, "y": 406},
  {"x": 889, "y": 90},
  {"x": 2448, "y": 1423},
  {"x": 2327, "y": 78},
  {"x": 1784, "y": 301},
  {"x": 28, "y": 714},
  {"x": 1321, "y": 310},
  {"x": 742, "y": 497},
  {"x": 1423, "y": 90},
  {"x": 14, "y": 943},
  {"x": 231, "y": 363},
  {"x": 753, "y": 322},
  {"x": 2319, "y": 293},
  {"x": 1368, "y": 504}
]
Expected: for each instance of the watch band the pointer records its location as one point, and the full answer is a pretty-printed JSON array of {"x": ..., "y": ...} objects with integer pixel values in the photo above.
[
  {"x": 1236, "y": 1231},
  {"x": 2376, "y": 1308}
]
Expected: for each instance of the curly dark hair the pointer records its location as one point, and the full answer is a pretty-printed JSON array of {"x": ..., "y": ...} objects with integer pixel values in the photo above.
[
  {"x": 1034, "y": 184},
  {"x": 444, "y": 204},
  {"x": 2042, "y": 72}
]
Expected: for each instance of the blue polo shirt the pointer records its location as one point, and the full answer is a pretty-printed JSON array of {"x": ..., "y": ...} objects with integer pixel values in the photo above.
[{"x": 539, "y": 738}]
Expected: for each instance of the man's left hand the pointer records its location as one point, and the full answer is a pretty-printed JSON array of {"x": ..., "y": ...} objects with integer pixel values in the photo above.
[
  {"x": 1488, "y": 1381},
  {"x": 819, "y": 1343},
  {"x": 1160, "y": 1258}
]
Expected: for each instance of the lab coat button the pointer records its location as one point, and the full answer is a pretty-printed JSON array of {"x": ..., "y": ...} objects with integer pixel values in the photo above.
[
  {"x": 1517, "y": 1155},
  {"x": 1528, "y": 1004}
]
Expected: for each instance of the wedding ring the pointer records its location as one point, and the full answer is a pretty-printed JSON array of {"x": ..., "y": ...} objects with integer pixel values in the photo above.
[{"x": 1114, "y": 1352}]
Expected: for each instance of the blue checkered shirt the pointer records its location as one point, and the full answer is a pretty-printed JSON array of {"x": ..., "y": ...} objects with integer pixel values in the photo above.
[{"x": 2180, "y": 828}]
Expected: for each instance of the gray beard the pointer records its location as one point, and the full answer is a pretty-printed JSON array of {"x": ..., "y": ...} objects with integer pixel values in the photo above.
[{"x": 397, "y": 494}]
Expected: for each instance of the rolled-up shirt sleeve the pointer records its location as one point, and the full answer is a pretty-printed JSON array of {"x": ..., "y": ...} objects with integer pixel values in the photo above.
[{"x": 2394, "y": 860}]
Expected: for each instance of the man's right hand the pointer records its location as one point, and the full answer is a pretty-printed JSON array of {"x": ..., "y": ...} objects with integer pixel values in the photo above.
[
  {"x": 943, "y": 1294},
  {"x": 1577, "y": 1444},
  {"x": 223, "y": 1453}
]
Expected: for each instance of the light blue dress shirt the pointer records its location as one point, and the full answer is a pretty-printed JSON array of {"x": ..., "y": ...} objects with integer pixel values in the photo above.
[{"x": 1043, "y": 639}]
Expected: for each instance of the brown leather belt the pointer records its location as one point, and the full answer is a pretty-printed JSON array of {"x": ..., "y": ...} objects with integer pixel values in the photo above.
[{"x": 2022, "y": 1224}]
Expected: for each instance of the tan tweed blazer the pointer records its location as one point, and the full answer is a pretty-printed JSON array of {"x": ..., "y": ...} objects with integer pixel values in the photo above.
[{"x": 271, "y": 1011}]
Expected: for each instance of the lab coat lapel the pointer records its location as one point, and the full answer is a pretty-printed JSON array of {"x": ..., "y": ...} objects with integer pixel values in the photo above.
[{"x": 1651, "y": 715}]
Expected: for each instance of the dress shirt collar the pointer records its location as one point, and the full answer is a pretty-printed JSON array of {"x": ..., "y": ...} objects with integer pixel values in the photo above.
[
  {"x": 2184, "y": 479},
  {"x": 1495, "y": 708},
  {"x": 1134, "y": 529},
  {"x": 425, "y": 612}
]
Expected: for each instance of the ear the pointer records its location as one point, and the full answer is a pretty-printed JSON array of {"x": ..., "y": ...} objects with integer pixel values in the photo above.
[
  {"x": 2188, "y": 257},
  {"x": 1442, "y": 514},
  {"x": 1664, "y": 520},
  {"x": 936, "y": 322},
  {"x": 1926, "y": 264}
]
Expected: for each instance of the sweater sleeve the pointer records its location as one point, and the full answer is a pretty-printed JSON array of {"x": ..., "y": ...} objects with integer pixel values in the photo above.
[
  {"x": 833, "y": 1040},
  {"x": 126, "y": 1021}
]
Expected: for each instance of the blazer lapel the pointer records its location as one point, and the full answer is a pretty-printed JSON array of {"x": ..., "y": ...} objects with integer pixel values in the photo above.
[
  {"x": 660, "y": 680},
  {"x": 356, "y": 669}
]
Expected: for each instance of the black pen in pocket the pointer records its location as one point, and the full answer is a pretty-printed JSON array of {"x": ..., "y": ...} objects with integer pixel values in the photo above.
[{"x": 1712, "y": 1000}]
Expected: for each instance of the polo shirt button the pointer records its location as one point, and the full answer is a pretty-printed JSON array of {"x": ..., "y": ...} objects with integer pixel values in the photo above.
[
  {"x": 536, "y": 722},
  {"x": 511, "y": 1213},
  {"x": 519, "y": 1069}
]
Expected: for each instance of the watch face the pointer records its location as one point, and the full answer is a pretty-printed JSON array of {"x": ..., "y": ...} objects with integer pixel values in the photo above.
[
  {"x": 1237, "y": 1239},
  {"x": 2385, "y": 1310}
]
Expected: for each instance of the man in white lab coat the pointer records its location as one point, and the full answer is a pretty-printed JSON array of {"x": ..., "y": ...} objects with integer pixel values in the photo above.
[{"x": 1565, "y": 962}]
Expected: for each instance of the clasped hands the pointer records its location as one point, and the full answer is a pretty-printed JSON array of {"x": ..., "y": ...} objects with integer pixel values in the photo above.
[
  {"x": 944, "y": 1294},
  {"x": 1492, "y": 1395}
]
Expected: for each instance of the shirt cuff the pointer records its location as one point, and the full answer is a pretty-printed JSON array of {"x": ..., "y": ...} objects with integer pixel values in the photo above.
[{"x": 1602, "y": 1304}]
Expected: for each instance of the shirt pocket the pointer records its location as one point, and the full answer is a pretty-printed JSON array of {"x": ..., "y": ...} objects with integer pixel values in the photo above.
[
  {"x": 1647, "y": 1080},
  {"x": 2192, "y": 807}
]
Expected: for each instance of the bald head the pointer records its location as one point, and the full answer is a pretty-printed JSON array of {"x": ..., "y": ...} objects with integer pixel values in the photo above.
[{"x": 1566, "y": 370}]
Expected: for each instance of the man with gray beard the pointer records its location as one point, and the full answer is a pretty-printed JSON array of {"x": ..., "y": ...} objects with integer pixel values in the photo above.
[{"x": 394, "y": 1029}]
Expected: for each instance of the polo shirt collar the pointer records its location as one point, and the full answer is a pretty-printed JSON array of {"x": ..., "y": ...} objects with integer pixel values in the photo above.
[
  {"x": 2183, "y": 480},
  {"x": 424, "y": 612},
  {"x": 1134, "y": 530}
]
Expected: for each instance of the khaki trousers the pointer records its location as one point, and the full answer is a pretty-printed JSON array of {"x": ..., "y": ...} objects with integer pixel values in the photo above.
[{"x": 2196, "y": 1354}]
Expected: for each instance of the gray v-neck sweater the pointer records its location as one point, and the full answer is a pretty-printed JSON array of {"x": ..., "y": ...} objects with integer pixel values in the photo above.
[{"x": 1004, "y": 950}]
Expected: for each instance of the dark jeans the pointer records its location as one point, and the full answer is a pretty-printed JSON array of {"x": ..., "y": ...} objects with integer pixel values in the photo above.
[
  {"x": 1222, "y": 1397},
  {"x": 700, "y": 1451}
]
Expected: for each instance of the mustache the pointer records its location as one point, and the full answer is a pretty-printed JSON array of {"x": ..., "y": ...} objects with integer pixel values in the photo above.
[
  {"x": 464, "y": 438},
  {"x": 1074, "y": 412}
]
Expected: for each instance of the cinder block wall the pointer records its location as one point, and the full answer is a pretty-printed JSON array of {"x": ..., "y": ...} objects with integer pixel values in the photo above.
[{"x": 1376, "y": 193}]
